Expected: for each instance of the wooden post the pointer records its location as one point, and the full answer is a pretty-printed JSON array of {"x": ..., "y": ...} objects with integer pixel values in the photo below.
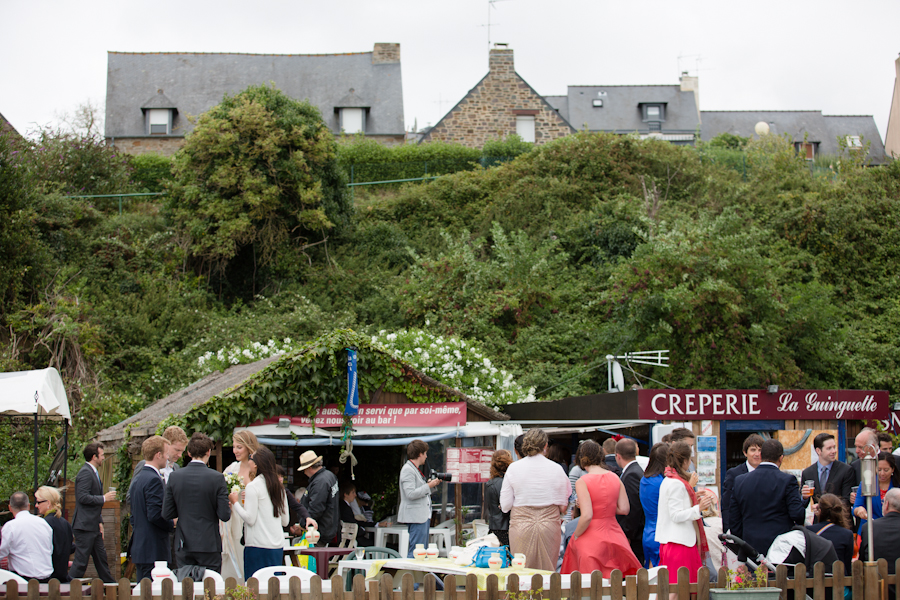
[
  {"x": 512, "y": 585},
  {"x": 871, "y": 588},
  {"x": 274, "y": 589},
  {"x": 449, "y": 588},
  {"x": 575, "y": 586},
  {"x": 187, "y": 589},
  {"x": 615, "y": 583},
  {"x": 683, "y": 587},
  {"x": 359, "y": 587},
  {"x": 493, "y": 585},
  {"x": 643, "y": 585},
  {"x": 295, "y": 589},
  {"x": 457, "y": 506},
  {"x": 856, "y": 570},
  {"x": 407, "y": 587},
  {"x": 387, "y": 587},
  {"x": 781, "y": 572},
  {"x": 597, "y": 585},
  {"x": 837, "y": 579},
  {"x": 703, "y": 583},
  {"x": 315, "y": 588},
  {"x": 662, "y": 584},
  {"x": 818, "y": 581}
]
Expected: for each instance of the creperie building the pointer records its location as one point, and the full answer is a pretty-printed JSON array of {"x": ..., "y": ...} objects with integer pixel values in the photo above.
[{"x": 722, "y": 418}]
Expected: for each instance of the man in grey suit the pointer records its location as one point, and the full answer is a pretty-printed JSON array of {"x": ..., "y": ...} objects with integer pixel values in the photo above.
[
  {"x": 88, "y": 522},
  {"x": 415, "y": 495},
  {"x": 196, "y": 495}
]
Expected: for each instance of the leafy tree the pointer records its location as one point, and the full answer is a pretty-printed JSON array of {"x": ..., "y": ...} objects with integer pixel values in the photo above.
[
  {"x": 259, "y": 171},
  {"x": 729, "y": 141},
  {"x": 151, "y": 172}
]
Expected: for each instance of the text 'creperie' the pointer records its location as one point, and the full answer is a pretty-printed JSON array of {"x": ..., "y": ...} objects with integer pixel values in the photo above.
[{"x": 705, "y": 404}]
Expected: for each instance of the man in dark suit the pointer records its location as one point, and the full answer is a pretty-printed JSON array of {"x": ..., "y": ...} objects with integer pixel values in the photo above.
[
  {"x": 766, "y": 502},
  {"x": 88, "y": 522},
  {"x": 609, "y": 450},
  {"x": 830, "y": 476},
  {"x": 866, "y": 445},
  {"x": 886, "y": 531},
  {"x": 151, "y": 532},
  {"x": 196, "y": 495},
  {"x": 752, "y": 448},
  {"x": 632, "y": 473}
]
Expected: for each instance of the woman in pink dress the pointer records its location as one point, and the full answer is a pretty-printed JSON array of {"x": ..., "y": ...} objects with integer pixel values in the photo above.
[{"x": 599, "y": 544}]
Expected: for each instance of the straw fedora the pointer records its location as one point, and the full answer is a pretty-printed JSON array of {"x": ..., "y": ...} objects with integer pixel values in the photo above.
[{"x": 308, "y": 459}]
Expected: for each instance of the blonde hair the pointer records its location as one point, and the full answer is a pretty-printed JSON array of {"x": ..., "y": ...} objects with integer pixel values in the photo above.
[
  {"x": 534, "y": 442},
  {"x": 246, "y": 439},
  {"x": 175, "y": 435},
  {"x": 152, "y": 446},
  {"x": 51, "y": 495}
]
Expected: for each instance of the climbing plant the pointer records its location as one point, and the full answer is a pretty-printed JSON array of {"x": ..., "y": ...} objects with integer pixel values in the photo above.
[{"x": 311, "y": 376}]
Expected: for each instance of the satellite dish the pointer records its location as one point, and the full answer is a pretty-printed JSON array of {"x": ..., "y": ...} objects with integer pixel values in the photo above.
[
  {"x": 761, "y": 128},
  {"x": 618, "y": 377}
]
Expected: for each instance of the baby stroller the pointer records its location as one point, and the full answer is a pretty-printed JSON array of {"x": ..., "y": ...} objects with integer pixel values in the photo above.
[{"x": 797, "y": 546}]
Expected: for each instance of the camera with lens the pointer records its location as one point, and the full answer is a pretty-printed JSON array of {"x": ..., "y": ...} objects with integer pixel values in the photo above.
[{"x": 442, "y": 476}]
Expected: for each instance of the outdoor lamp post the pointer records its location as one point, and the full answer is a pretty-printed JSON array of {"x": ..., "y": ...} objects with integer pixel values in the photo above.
[{"x": 868, "y": 487}]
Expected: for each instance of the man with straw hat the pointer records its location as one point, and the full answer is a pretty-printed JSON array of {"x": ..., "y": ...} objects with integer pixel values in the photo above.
[{"x": 321, "y": 496}]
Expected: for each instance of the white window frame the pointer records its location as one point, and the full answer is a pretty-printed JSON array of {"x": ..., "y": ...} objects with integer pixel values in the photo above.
[
  {"x": 353, "y": 120},
  {"x": 854, "y": 142},
  {"x": 157, "y": 117},
  {"x": 645, "y": 112},
  {"x": 525, "y": 127}
]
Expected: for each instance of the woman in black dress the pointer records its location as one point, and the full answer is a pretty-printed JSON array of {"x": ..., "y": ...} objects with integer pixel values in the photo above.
[
  {"x": 833, "y": 526},
  {"x": 47, "y": 501},
  {"x": 498, "y": 521}
]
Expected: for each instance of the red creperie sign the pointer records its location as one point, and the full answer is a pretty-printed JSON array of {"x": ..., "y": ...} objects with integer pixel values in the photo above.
[
  {"x": 438, "y": 414},
  {"x": 697, "y": 405}
]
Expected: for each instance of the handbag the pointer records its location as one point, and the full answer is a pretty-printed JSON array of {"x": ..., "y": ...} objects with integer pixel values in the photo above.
[{"x": 485, "y": 553}]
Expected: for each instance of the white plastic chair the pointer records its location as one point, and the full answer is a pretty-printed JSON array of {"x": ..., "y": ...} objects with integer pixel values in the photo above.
[
  {"x": 156, "y": 588},
  {"x": 9, "y": 575},
  {"x": 283, "y": 574}
]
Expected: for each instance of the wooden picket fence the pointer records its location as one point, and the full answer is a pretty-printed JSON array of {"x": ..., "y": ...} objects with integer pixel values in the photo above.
[{"x": 866, "y": 584}]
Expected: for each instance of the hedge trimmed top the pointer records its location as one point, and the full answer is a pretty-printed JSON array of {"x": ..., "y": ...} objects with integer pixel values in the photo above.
[{"x": 313, "y": 376}]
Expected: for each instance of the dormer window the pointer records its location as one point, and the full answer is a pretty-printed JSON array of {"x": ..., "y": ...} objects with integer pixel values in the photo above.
[
  {"x": 653, "y": 113},
  {"x": 160, "y": 121},
  {"x": 353, "y": 120},
  {"x": 854, "y": 142}
]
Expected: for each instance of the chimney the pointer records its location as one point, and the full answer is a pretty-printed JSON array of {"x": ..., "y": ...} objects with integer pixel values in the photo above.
[
  {"x": 691, "y": 84},
  {"x": 386, "y": 54},
  {"x": 500, "y": 61}
]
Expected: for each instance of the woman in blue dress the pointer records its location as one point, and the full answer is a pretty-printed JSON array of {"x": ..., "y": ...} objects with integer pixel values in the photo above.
[{"x": 653, "y": 478}]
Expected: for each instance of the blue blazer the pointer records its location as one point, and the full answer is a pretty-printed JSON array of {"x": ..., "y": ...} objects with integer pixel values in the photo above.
[
  {"x": 765, "y": 504},
  {"x": 877, "y": 511},
  {"x": 650, "y": 503},
  {"x": 728, "y": 489},
  {"x": 151, "y": 532}
]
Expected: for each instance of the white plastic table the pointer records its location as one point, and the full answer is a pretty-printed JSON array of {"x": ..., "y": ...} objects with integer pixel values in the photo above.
[{"x": 448, "y": 535}]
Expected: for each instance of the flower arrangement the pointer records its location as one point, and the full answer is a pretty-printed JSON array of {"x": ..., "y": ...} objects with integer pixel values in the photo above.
[
  {"x": 234, "y": 482},
  {"x": 741, "y": 578}
]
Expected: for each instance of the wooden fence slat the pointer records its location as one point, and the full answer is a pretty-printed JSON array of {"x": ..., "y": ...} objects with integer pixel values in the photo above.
[
  {"x": 187, "y": 589},
  {"x": 631, "y": 588},
  {"x": 471, "y": 587},
  {"x": 837, "y": 579},
  {"x": 168, "y": 589},
  {"x": 33, "y": 590},
  {"x": 643, "y": 584},
  {"x": 429, "y": 587},
  {"x": 512, "y": 584},
  {"x": 97, "y": 591},
  {"x": 253, "y": 586},
  {"x": 703, "y": 582},
  {"x": 387, "y": 587},
  {"x": 615, "y": 583},
  {"x": 337, "y": 587},
  {"x": 871, "y": 588},
  {"x": 209, "y": 588},
  {"x": 575, "y": 586},
  {"x": 722, "y": 579},
  {"x": 683, "y": 587},
  {"x": 662, "y": 584},
  {"x": 358, "y": 586},
  {"x": 493, "y": 584},
  {"x": 53, "y": 589},
  {"x": 818, "y": 581},
  {"x": 597, "y": 585},
  {"x": 12, "y": 590},
  {"x": 374, "y": 594},
  {"x": 407, "y": 587},
  {"x": 449, "y": 587},
  {"x": 555, "y": 586},
  {"x": 857, "y": 572},
  {"x": 295, "y": 589},
  {"x": 315, "y": 588},
  {"x": 799, "y": 581},
  {"x": 781, "y": 573},
  {"x": 882, "y": 569},
  {"x": 273, "y": 588},
  {"x": 230, "y": 584}
]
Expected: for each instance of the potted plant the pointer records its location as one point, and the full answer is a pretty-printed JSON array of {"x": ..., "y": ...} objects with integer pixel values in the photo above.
[{"x": 749, "y": 585}]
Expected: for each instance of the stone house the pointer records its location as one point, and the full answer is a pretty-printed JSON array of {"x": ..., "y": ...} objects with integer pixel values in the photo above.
[
  {"x": 150, "y": 97},
  {"x": 892, "y": 136},
  {"x": 6, "y": 126},
  {"x": 502, "y": 103}
]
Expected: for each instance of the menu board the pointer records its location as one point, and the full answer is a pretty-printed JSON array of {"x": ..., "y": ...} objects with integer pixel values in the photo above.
[{"x": 469, "y": 465}]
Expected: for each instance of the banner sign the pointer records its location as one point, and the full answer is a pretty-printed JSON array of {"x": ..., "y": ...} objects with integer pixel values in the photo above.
[
  {"x": 438, "y": 414},
  {"x": 891, "y": 423},
  {"x": 759, "y": 405},
  {"x": 469, "y": 465},
  {"x": 352, "y": 405}
]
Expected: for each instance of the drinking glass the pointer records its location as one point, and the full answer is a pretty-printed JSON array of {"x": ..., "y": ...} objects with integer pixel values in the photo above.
[{"x": 360, "y": 553}]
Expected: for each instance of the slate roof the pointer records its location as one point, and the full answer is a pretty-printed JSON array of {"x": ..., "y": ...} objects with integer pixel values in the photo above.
[
  {"x": 195, "y": 82},
  {"x": 818, "y": 128},
  {"x": 7, "y": 126},
  {"x": 621, "y": 112}
]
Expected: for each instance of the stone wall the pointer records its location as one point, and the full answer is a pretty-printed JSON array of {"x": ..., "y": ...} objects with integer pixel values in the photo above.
[
  {"x": 164, "y": 145},
  {"x": 489, "y": 110},
  {"x": 386, "y": 53}
]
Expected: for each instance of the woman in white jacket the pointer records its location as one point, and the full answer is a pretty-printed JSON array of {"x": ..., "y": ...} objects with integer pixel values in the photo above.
[
  {"x": 265, "y": 513},
  {"x": 679, "y": 528}
]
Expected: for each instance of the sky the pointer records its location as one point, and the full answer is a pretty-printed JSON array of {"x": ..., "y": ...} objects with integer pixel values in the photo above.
[{"x": 828, "y": 55}]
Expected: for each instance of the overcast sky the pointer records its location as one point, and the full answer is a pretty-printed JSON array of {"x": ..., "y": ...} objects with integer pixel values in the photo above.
[{"x": 828, "y": 55}]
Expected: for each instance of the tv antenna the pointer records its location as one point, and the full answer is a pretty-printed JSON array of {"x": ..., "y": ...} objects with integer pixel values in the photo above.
[
  {"x": 615, "y": 378},
  {"x": 491, "y": 6}
]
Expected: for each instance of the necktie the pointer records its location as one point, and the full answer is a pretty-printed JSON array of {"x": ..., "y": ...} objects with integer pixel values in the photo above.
[{"x": 823, "y": 479}]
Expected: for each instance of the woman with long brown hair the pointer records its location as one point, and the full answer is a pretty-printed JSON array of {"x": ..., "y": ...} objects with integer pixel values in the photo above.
[
  {"x": 264, "y": 513},
  {"x": 679, "y": 528},
  {"x": 498, "y": 520},
  {"x": 653, "y": 478},
  {"x": 536, "y": 492},
  {"x": 833, "y": 526}
]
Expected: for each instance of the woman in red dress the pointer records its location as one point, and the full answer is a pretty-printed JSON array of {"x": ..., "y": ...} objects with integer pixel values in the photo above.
[{"x": 599, "y": 544}]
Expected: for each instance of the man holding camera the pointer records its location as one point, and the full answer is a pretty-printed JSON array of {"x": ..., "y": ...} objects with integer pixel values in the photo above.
[{"x": 415, "y": 495}]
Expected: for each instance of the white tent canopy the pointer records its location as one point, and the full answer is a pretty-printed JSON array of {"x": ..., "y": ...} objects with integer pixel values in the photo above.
[{"x": 41, "y": 392}]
